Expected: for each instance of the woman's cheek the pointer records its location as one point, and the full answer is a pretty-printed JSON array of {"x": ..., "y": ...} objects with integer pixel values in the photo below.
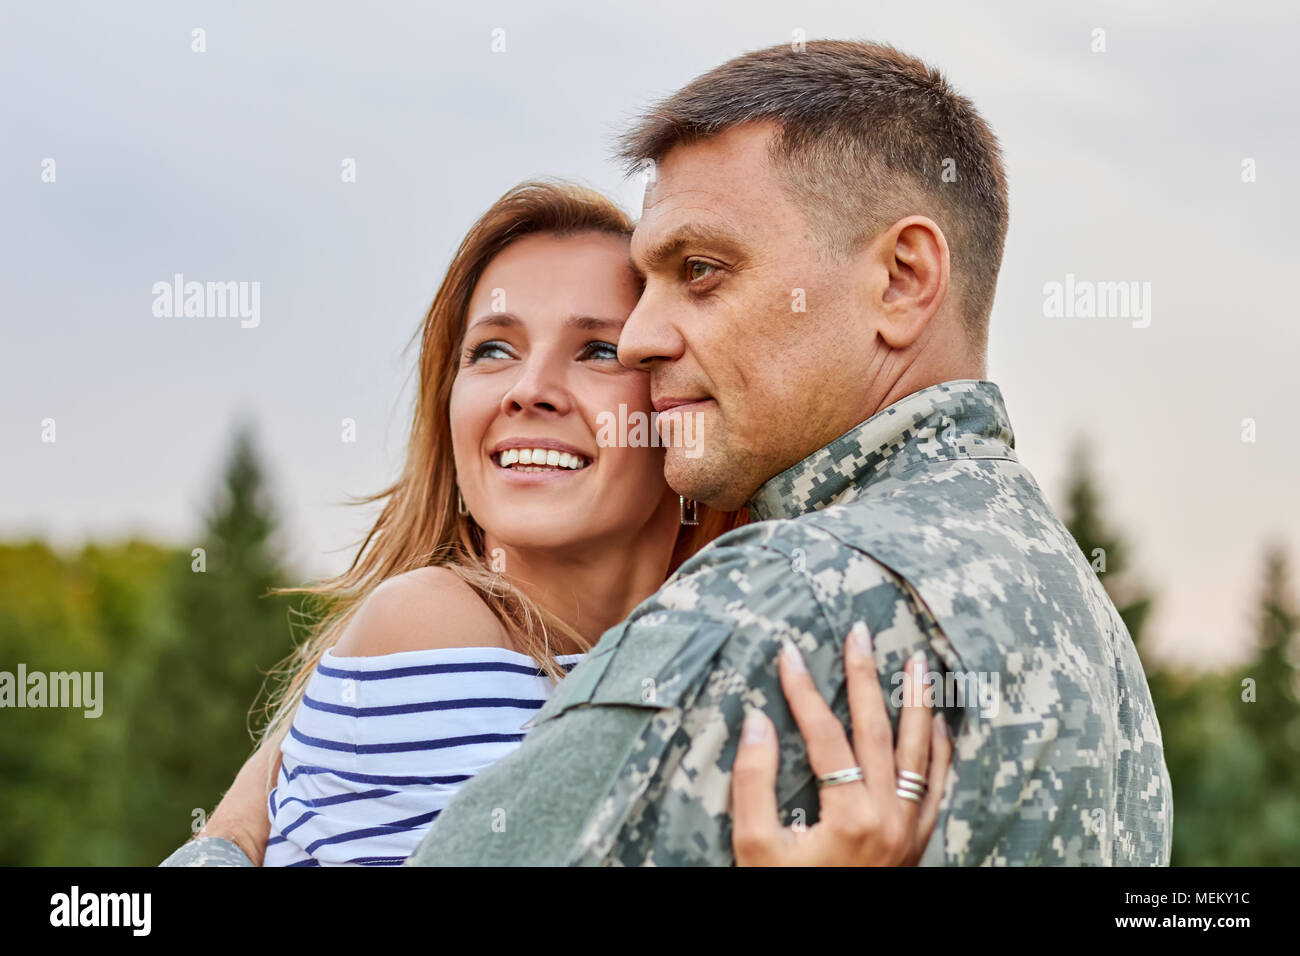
[{"x": 469, "y": 420}]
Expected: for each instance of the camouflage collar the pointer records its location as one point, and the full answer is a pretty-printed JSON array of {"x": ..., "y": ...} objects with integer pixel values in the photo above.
[{"x": 959, "y": 419}]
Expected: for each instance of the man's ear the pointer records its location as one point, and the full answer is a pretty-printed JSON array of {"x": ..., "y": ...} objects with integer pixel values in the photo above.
[{"x": 914, "y": 254}]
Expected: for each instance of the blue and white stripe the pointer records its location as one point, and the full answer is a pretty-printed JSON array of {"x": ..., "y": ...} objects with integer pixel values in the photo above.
[{"x": 380, "y": 745}]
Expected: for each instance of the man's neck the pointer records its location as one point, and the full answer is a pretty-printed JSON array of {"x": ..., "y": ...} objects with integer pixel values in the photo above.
[
  {"x": 910, "y": 375},
  {"x": 960, "y": 418}
]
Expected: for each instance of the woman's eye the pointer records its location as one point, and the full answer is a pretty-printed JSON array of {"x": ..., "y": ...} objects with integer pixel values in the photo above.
[
  {"x": 600, "y": 350},
  {"x": 486, "y": 350},
  {"x": 696, "y": 269}
]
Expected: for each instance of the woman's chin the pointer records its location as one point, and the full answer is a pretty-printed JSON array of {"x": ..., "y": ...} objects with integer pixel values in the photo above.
[{"x": 533, "y": 530}]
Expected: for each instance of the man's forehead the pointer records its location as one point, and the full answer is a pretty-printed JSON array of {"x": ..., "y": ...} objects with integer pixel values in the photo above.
[
  {"x": 658, "y": 232},
  {"x": 696, "y": 217},
  {"x": 725, "y": 182},
  {"x": 735, "y": 157}
]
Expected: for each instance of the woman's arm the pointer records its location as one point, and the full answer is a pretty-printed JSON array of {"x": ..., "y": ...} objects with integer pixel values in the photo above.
[
  {"x": 418, "y": 610},
  {"x": 236, "y": 833},
  {"x": 241, "y": 815}
]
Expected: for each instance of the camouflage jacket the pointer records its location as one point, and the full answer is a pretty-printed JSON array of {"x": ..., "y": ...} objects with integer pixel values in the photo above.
[{"x": 921, "y": 522}]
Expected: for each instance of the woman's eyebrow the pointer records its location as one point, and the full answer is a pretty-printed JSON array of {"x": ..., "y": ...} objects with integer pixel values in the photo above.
[
  {"x": 494, "y": 320},
  {"x": 590, "y": 323},
  {"x": 587, "y": 323}
]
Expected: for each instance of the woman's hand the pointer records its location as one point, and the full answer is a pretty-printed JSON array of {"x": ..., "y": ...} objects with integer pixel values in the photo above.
[
  {"x": 862, "y": 823},
  {"x": 241, "y": 816}
]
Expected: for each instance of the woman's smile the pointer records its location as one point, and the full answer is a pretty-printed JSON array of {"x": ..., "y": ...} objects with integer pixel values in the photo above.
[{"x": 536, "y": 461}]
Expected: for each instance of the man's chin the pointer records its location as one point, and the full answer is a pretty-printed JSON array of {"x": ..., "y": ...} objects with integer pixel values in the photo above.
[{"x": 702, "y": 480}]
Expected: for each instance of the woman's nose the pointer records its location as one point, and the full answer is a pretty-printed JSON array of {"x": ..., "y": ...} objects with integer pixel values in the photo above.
[{"x": 539, "y": 387}]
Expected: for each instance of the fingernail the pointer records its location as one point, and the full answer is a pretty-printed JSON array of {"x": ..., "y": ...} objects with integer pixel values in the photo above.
[
  {"x": 862, "y": 638},
  {"x": 919, "y": 659},
  {"x": 943, "y": 725},
  {"x": 792, "y": 656},
  {"x": 754, "y": 729}
]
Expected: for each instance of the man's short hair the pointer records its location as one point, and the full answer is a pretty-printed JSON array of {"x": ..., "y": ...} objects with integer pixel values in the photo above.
[{"x": 867, "y": 134}]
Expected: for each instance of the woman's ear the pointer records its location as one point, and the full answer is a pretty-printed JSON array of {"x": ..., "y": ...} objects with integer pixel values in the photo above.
[{"x": 914, "y": 254}]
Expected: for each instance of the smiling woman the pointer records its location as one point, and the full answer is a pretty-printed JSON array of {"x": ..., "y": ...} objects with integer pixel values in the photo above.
[
  {"x": 511, "y": 541},
  {"x": 518, "y": 350},
  {"x": 538, "y": 380}
]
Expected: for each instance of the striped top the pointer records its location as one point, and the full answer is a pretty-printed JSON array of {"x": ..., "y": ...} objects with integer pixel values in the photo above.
[{"x": 379, "y": 745}]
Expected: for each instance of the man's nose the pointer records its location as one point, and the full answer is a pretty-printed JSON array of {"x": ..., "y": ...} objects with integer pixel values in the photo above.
[{"x": 649, "y": 337}]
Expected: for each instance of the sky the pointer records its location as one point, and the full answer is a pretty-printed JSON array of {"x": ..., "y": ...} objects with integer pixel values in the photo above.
[{"x": 1160, "y": 152}]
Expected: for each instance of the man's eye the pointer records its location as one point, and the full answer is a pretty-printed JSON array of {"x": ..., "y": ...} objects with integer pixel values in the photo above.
[
  {"x": 600, "y": 350},
  {"x": 485, "y": 350},
  {"x": 699, "y": 269}
]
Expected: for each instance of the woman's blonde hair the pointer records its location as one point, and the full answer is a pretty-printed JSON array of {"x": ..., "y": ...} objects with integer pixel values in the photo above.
[{"x": 419, "y": 524}]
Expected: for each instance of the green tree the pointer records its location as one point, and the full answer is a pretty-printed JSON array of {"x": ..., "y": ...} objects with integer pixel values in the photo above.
[
  {"x": 1275, "y": 713},
  {"x": 88, "y": 612},
  {"x": 1269, "y": 693},
  {"x": 1231, "y": 743},
  {"x": 1104, "y": 549},
  {"x": 190, "y": 726}
]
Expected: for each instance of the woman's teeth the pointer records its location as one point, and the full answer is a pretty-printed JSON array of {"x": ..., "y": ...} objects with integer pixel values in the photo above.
[{"x": 540, "y": 459}]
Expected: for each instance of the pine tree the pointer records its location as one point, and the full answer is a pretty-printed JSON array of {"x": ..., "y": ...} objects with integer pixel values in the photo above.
[
  {"x": 192, "y": 716},
  {"x": 1270, "y": 712},
  {"x": 1101, "y": 546},
  {"x": 1275, "y": 713}
]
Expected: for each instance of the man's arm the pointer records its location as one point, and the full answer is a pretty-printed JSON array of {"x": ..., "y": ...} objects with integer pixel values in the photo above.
[
  {"x": 796, "y": 586},
  {"x": 631, "y": 763},
  {"x": 630, "y": 760},
  {"x": 208, "y": 851}
]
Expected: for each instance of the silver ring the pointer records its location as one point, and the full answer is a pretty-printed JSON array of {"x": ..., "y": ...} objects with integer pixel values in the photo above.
[
  {"x": 909, "y": 787},
  {"x": 849, "y": 775},
  {"x": 909, "y": 775},
  {"x": 908, "y": 795}
]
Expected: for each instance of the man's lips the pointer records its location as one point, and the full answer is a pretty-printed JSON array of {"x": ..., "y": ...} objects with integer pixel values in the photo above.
[{"x": 662, "y": 405}]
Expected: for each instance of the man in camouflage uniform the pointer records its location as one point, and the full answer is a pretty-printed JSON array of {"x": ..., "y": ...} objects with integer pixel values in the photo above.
[
  {"x": 922, "y": 523},
  {"x": 880, "y": 466}
]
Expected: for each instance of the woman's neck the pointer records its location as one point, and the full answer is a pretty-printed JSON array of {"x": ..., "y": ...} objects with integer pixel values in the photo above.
[{"x": 594, "y": 586}]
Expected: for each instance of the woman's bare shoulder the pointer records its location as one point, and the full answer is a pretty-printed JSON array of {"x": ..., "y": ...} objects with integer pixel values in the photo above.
[{"x": 422, "y": 609}]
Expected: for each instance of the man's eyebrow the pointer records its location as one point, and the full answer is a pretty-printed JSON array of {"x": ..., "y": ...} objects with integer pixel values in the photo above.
[
  {"x": 670, "y": 245},
  {"x": 587, "y": 323}
]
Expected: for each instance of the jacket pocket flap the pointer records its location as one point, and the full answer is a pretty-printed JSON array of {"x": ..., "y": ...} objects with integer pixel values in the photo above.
[
  {"x": 650, "y": 664},
  {"x": 657, "y": 665}
]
